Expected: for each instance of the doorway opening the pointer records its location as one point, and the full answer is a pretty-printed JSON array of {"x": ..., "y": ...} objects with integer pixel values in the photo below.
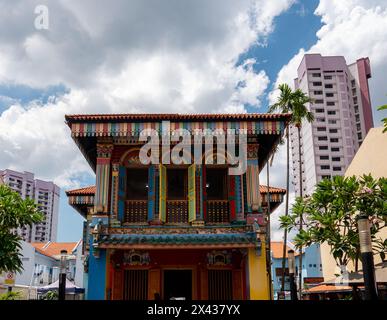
[{"x": 178, "y": 284}]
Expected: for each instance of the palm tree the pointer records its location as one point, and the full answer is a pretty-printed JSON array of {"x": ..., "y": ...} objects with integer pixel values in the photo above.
[
  {"x": 299, "y": 114},
  {"x": 292, "y": 102},
  {"x": 284, "y": 104}
]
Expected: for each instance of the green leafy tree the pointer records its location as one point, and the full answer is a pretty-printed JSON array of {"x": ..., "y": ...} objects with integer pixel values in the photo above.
[
  {"x": 51, "y": 295},
  {"x": 11, "y": 296},
  {"x": 14, "y": 213},
  {"x": 384, "y": 119},
  {"x": 331, "y": 214}
]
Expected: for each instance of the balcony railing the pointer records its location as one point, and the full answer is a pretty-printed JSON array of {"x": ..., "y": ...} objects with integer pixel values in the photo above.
[
  {"x": 136, "y": 211},
  {"x": 217, "y": 211},
  {"x": 177, "y": 211}
]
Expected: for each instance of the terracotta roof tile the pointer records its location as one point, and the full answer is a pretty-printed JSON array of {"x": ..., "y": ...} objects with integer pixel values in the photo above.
[
  {"x": 82, "y": 191},
  {"x": 276, "y": 249},
  {"x": 263, "y": 189},
  {"x": 326, "y": 288},
  {"x": 91, "y": 190},
  {"x": 53, "y": 249},
  {"x": 172, "y": 116}
]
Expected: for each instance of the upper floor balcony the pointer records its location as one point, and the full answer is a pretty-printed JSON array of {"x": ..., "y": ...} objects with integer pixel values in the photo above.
[{"x": 176, "y": 194}]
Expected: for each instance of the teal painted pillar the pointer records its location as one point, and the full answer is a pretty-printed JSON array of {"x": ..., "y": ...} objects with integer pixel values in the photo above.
[
  {"x": 97, "y": 276},
  {"x": 121, "y": 193},
  {"x": 151, "y": 192}
]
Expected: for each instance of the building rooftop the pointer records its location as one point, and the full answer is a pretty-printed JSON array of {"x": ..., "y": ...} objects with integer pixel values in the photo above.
[
  {"x": 277, "y": 247},
  {"x": 172, "y": 117},
  {"x": 179, "y": 240},
  {"x": 53, "y": 249},
  {"x": 371, "y": 158},
  {"x": 90, "y": 190},
  {"x": 323, "y": 288}
]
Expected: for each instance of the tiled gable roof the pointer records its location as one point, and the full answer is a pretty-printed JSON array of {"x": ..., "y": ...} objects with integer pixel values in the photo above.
[{"x": 173, "y": 116}]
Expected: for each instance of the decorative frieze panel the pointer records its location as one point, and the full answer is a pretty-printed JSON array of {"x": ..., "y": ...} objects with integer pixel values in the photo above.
[
  {"x": 179, "y": 230},
  {"x": 135, "y": 258},
  {"x": 219, "y": 258},
  {"x": 104, "y": 150},
  {"x": 130, "y": 129}
]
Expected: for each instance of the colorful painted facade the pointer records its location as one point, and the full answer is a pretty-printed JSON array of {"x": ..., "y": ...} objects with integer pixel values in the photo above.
[{"x": 164, "y": 231}]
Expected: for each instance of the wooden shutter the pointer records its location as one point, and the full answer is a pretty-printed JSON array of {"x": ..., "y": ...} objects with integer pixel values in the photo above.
[
  {"x": 237, "y": 285},
  {"x": 151, "y": 192},
  {"x": 231, "y": 197},
  {"x": 163, "y": 193},
  {"x": 191, "y": 193},
  {"x": 117, "y": 284},
  {"x": 239, "y": 197},
  {"x": 204, "y": 189},
  {"x": 153, "y": 283},
  {"x": 121, "y": 192}
]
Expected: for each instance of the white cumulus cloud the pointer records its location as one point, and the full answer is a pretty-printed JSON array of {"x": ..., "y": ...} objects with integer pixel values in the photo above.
[{"x": 123, "y": 56}]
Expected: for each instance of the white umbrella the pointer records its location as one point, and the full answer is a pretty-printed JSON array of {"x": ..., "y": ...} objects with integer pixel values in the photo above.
[{"x": 70, "y": 287}]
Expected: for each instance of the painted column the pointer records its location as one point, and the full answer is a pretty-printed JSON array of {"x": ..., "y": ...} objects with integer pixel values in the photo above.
[
  {"x": 239, "y": 199},
  {"x": 121, "y": 193},
  {"x": 257, "y": 278},
  {"x": 200, "y": 191},
  {"x": 151, "y": 192},
  {"x": 231, "y": 198},
  {"x": 252, "y": 179},
  {"x": 102, "y": 178},
  {"x": 97, "y": 276},
  {"x": 114, "y": 195},
  {"x": 192, "y": 188}
]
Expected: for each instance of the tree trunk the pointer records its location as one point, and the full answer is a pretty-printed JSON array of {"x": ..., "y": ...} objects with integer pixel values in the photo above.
[
  {"x": 286, "y": 211},
  {"x": 301, "y": 215}
]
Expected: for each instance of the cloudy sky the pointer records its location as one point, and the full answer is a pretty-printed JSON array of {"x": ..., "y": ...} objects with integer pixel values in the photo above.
[{"x": 161, "y": 56}]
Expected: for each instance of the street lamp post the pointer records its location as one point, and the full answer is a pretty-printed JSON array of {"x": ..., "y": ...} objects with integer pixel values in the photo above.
[
  {"x": 291, "y": 265},
  {"x": 62, "y": 275},
  {"x": 367, "y": 258}
]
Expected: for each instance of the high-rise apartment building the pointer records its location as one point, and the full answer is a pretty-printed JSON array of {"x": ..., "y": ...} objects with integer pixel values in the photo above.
[
  {"x": 46, "y": 194},
  {"x": 343, "y": 116}
]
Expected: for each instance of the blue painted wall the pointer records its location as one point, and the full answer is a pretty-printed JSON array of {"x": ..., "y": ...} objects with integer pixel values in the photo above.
[
  {"x": 97, "y": 277},
  {"x": 311, "y": 262}
]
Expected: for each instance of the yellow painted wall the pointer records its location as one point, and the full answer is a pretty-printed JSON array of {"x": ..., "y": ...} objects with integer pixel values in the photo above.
[
  {"x": 371, "y": 158},
  {"x": 258, "y": 278}
]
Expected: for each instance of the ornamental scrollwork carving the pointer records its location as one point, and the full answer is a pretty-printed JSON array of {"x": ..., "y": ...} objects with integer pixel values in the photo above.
[
  {"x": 219, "y": 258},
  {"x": 104, "y": 150},
  {"x": 134, "y": 258}
]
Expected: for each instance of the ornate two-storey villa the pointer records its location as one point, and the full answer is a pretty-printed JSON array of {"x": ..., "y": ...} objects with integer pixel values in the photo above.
[{"x": 165, "y": 230}]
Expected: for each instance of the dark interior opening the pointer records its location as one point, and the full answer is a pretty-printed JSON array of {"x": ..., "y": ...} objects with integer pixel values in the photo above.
[
  {"x": 177, "y": 184},
  {"x": 137, "y": 184},
  {"x": 216, "y": 183},
  {"x": 178, "y": 284}
]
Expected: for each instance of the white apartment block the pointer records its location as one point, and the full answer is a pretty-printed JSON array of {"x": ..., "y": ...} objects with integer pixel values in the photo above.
[
  {"x": 343, "y": 116},
  {"x": 46, "y": 194}
]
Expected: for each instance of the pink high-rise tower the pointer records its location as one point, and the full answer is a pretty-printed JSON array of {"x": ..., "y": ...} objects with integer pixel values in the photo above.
[{"x": 343, "y": 116}]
